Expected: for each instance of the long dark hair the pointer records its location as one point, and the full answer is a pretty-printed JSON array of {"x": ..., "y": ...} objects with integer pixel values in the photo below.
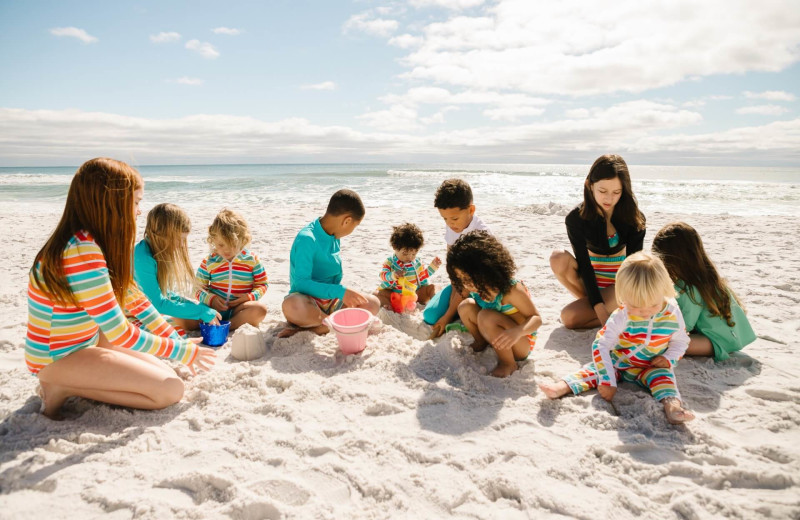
[
  {"x": 611, "y": 166},
  {"x": 682, "y": 251},
  {"x": 482, "y": 258}
]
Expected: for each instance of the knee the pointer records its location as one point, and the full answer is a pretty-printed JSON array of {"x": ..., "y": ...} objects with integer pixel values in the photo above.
[
  {"x": 559, "y": 260},
  {"x": 466, "y": 308},
  {"x": 292, "y": 307},
  {"x": 569, "y": 318},
  {"x": 169, "y": 392},
  {"x": 373, "y": 304}
]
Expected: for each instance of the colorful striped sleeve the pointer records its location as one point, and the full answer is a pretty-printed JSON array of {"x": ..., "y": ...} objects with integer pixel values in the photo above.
[
  {"x": 387, "y": 276},
  {"x": 606, "y": 340},
  {"x": 87, "y": 274},
  {"x": 140, "y": 307},
  {"x": 203, "y": 295},
  {"x": 260, "y": 280}
]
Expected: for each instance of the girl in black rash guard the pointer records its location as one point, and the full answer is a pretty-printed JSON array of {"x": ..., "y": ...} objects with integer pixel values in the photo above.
[{"x": 603, "y": 230}]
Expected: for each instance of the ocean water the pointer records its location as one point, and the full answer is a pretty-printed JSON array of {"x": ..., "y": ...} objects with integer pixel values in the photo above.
[{"x": 677, "y": 189}]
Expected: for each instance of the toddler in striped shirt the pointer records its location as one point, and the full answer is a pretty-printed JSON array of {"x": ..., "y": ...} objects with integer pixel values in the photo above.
[
  {"x": 641, "y": 342},
  {"x": 232, "y": 279}
]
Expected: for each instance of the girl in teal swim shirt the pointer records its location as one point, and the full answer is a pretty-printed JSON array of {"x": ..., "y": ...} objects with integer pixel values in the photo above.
[
  {"x": 713, "y": 313},
  {"x": 499, "y": 311}
]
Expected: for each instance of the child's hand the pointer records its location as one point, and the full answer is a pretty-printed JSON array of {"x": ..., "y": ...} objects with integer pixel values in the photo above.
[
  {"x": 438, "y": 328},
  {"x": 607, "y": 392},
  {"x": 437, "y": 262},
  {"x": 238, "y": 301},
  {"x": 506, "y": 339},
  {"x": 206, "y": 358},
  {"x": 398, "y": 273},
  {"x": 353, "y": 298},
  {"x": 660, "y": 362},
  {"x": 218, "y": 304}
]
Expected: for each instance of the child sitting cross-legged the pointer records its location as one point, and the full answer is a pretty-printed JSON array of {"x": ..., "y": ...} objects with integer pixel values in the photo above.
[
  {"x": 499, "y": 310},
  {"x": 641, "y": 342},
  {"x": 404, "y": 268}
]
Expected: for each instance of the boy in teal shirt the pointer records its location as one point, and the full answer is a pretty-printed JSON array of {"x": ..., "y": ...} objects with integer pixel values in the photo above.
[{"x": 315, "y": 268}]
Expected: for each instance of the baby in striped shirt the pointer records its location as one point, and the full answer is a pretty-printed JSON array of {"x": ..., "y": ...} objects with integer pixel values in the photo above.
[
  {"x": 641, "y": 342},
  {"x": 232, "y": 279}
]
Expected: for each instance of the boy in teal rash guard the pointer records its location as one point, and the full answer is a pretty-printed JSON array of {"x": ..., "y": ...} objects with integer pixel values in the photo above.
[{"x": 315, "y": 268}]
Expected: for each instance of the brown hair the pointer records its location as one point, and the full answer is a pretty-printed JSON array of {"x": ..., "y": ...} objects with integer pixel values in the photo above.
[
  {"x": 231, "y": 227},
  {"x": 611, "y": 166},
  {"x": 100, "y": 201},
  {"x": 680, "y": 247},
  {"x": 406, "y": 236},
  {"x": 166, "y": 225}
]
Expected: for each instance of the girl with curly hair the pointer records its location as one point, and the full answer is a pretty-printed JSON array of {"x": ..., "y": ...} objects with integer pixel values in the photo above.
[{"x": 499, "y": 310}]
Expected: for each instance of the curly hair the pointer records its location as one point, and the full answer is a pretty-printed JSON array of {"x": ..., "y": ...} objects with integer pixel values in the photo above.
[
  {"x": 482, "y": 258},
  {"x": 453, "y": 193},
  {"x": 230, "y": 227},
  {"x": 406, "y": 236}
]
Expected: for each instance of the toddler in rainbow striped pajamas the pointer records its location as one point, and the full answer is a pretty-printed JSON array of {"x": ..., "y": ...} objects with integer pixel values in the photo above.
[{"x": 641, "y": 342}]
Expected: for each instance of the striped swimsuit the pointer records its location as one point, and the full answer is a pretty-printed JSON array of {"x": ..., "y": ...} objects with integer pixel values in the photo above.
[
  {"x": 605, "y": 267},
  {"x": 411, "y": 271},
  {"x": 56, "y": 330},
  {"x": 627, "y": 344},
  {"x": 506, "y": 309},
  {"x": 243, "y": 275}
]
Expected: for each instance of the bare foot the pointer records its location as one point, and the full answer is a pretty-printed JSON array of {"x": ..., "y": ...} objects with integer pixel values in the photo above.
[
  {"x": 291, "y": 330},
  {"x": 480, "y": 346},
  {"x": 554, "y": 390},
  {"x": 504, "y": 370},
  {"x": 52, "y": 398},
  {"x": 676, "y": 414}
]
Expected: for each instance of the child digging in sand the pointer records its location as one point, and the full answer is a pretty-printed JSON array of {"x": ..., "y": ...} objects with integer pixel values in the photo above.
[
  {"x": 641, "y": 342},
  {"x": 499, "y": 310},
  {"x": 403, "y": 265}
]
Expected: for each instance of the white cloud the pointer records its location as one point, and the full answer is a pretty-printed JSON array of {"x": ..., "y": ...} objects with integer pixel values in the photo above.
[
  {"x": 205, "y": 49},
  {"x": 325, "y": 85},
  {"x": 165, "y": 37},
  {"x": 195, "y": 82},
  {"x": 577, "y": 113},
  {"x": 449, "y": 4},
  {"x": 763, "y": 110},
  {"x": 512, "y": 113},
  {"x": 39, "y": 137},
  {"x": 582, "y": 49},
  {"x": 770, "y": 95},
  {"x": 227, "y": 30},
  {"x": 406, "y": 41},
  {"x": 364, "y": 22},
  {"x": 397, "y": 118},
  {"x": 74, "y": 32}
]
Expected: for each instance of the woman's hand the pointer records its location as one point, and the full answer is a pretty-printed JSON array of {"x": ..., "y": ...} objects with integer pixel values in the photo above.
[
  {"x": 506, "y": 339},
  {"x": 607, "y": 392},
  {"x": 205, "y": 359},
  {"x": 602, "y": 313}
]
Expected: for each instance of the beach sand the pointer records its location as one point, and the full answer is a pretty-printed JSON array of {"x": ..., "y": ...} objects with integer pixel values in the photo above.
[{"x": 417, "y": 428}]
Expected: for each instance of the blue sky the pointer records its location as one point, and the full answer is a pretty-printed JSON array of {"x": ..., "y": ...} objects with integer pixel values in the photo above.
[{"x": 685, "y": 82}]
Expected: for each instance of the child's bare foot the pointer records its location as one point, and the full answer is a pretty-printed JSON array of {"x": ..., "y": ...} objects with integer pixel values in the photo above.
[
  {"x": 676, "y": 414},
  {"x": 480, "y": 346},
  {"x": 554, "y": 390},
  {"x": 291, "y": 330},
  {"x": 504, "y": 369},
  {"x": 52, "y": 398}
]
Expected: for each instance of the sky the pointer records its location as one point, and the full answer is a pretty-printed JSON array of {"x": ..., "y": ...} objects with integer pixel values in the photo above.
[{"x": 715, "y": 82}]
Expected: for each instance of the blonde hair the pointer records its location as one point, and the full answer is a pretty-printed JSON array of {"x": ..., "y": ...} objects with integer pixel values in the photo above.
[
  {"x": 642, "y": 280},
  {"x": 230, "y": 227},
  {"x": 101, "y": 200},
  {"x": 164, "y": 232}
]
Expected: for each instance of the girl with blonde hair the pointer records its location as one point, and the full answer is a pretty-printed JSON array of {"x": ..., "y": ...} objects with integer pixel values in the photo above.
[
  {"x": 641, "y": 342},
  {"x": 163, "y": 271},
  {"x": 80, "y": 288}
]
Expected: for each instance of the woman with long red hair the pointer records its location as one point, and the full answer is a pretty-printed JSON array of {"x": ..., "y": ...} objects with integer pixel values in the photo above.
[{"x": 80, "y": 290}]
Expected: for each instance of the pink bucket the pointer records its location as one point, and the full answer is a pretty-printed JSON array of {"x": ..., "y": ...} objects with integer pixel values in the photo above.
[{"x": 351, "y": 327}]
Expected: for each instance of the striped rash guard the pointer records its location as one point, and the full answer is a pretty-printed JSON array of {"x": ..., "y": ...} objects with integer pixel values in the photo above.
[
  {"x": 413, "y": 271},
  {"x": 631, "y": 342},
  {"x": 56, "y": 330},
  {"x": 243, "y": 275}
]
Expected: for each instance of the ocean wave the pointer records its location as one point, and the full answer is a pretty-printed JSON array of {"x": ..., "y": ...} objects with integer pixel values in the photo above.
[{"x": 34, "y": 179}]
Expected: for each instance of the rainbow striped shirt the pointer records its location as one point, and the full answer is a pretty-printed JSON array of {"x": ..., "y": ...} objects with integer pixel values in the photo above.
[
  {"x": 628, "y": 341},
  {"x": 244, "y": 274},
  {"x": 413, "y": 271},
  {"x": 56, "y": 330}
]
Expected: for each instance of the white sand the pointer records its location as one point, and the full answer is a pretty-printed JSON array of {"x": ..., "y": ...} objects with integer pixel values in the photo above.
[{"x": 416, "y": 428}]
